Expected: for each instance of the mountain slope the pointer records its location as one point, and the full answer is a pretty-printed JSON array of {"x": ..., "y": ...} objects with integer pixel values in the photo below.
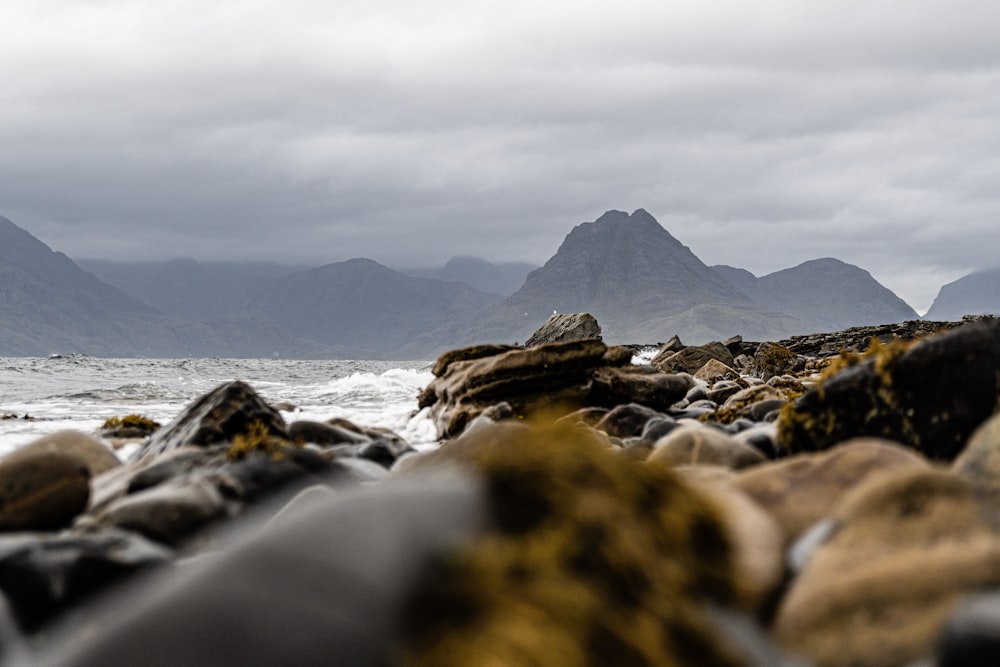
[
  {"x": 975, "y": 294},
  {"x": 493, "y": 278},
  {"x": 371, "y": 310}
]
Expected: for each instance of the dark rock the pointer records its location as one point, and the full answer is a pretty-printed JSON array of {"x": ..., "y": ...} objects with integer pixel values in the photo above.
[
  {"x": 42, "y": 575},
  {"x": 734, "y": 344},
  {"x": 690, "y": 359},
  {"x": 562, "y": 328},
  {"x": 259, "y": 475},
  {"x": 672, "y": 345},
  {"x": 930, "y": 396},
  {"x": 318, "y": 433},
  {"x": 971, "y": 635},
  {"x": 618, "y": 355},
  {"x": 638, "y": 384},
  {"x": 766, "y": 410},
  {"x": 218, "y": 416},
  {"x": 657, "y": 427},
  {"x": 467, "y": 354},
  {"x": 168, "y": 513},
  {"x": 696, "y": 393},
  {"x": 383, "y": 452},
  {"x": 721, "y": 391},
  {"x": 41, "y": 489},
  {"x": 627, "y": 420},
  {"x": 858, "y": 338}
]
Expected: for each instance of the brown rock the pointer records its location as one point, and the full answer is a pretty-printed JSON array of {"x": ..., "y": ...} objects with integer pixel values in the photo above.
[
  {"x": 168, "y": 513},
  {"x": 565, "y": 327},
  {"x": 714, "y": 370},
  {"x": 638, "y": 384},
  {"x": 773, "y": 359},
  {"x": 690, "y": 359},
  {"x": 904, "y": 548},
  {"x": 801, "y": 490},
  {"x": 41, "y": 489},
  {"x": 692, "y": 444},
  {"x": 98, "y": 456},
  {"x": 979, "y": 462}
]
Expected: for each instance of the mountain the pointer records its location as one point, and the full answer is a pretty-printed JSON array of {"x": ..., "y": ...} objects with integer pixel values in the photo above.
[
  {"x": 49, "y": 304},
  {"x": 189, "y": 289},
  {"x": 641, "y": 283},
  {"x": 825, "y": 294},
  {"x": 371, "y": 310},
  {"x": 975, "y": 294},
  {"x": 476, "y": 272}
]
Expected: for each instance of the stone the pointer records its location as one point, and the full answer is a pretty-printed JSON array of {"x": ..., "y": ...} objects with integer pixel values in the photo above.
[
  {"x": 384, "y": 452},
  {"x": 930, "y": 396},
  {"x": 901, "y": 551},
  {"x": 979, "y": 461},
  {"x": 588, "y": 416},
  {"x": 563, "y": 328},
  {"x": 638, "y": 384},
  {"x": 773, "y": 359},
  {"x": 692, "y": 358},
  {"x": 971, "y": 635},
  {"x": 627, "y": 420},
  {"x": 800, "y": 490},
  {"x": 42, "y": 489},
  {"x": 554, "y": 377},
  {"x": 95, "y": 454},
  {"x": 699, "y": 444},
  {"x": 168, "y": 513},
  {"x": 721, "y": 391},
  {"x": 657, "y": 427},
  {"x": 43, "y": 575},
  {"x": 714, "y": 370},
  {"x": 734, "y": 344},
  {"x": 471, "y": 353},
  {"x": 128, "y": 427},
  {"x": 318, "y": 433},
  {"x": 219, "y": 416},
  {"x": 259, "y": 475}
]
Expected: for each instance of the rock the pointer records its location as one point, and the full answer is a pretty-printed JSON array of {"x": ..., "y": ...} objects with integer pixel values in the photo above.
[
  {"x": 219, "y": 416},
  {"x": 902, "y": 550},
  {"x": 979, "y": 461},
  {"x": 318, "y": 433},
  {"x": 734, "y": 344},
  {"x": 128, "y": 427},
  {"x": 384, "y": 452},
  {"x": 168, "y": 513},
  {"x": 627, "y": 420},
  {"x": 721, "y": 391},
  {"x": 930, "y": 396},
  {"x": 692, "y": 444},
  {"x": 42, "y": 575},
  {"x": 671, "y": 346},
  {"x": 638, "y": 384},
  {"x": 588, "y": 416},
  {"x": 773, "y": 359},
  {"x": 858, "y": 338},
  {"x": 95, "y": 454},
  {"x": 41, "y": 489},
  {"x": 690, "y": 359},
  {"x": 468, "y": 354},
  {"x": 618, "y": 355},
  {"x": 714, "y": 370},
  {"x": 556, "y": 376},
  {"x": 259, "y": 475},
  {"x": 801, "y": 490},
  {"x": 971, "y": 635},
  {"x": 766, "y": 410},
  {"x": 563, "y": 328}
]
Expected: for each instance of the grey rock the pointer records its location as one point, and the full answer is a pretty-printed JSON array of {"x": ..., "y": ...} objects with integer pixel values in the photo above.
[{"x": 561, "y": 328}]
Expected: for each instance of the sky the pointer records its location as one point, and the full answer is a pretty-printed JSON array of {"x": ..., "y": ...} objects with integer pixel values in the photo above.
[{"x": 760, "y": 134}]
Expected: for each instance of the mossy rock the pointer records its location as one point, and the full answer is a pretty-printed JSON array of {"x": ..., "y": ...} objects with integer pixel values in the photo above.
[
  {"x": 593, "y": 559},
  {"x": 930, "y": 395},
  {"x": 129, "y": 426}
]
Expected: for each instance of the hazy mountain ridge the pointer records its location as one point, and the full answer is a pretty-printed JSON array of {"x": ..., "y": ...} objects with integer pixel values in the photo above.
[
  {"x": 503, "y": 278},
  {"x": 977, "y": 293}
]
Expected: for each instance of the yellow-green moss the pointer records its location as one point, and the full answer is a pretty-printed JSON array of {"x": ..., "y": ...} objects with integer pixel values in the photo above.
[
  {"x": 595, "y": 559},
  {"x": 131, "y": 421},
  {"x": 257, "y": 439}
]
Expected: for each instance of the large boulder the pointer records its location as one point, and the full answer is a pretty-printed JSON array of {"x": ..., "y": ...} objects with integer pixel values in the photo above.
[
  {"x": 564, "y": 327},
  {"x": 691, "y": 359},
  {"x": 41, "y": 489},
  {"x": 230, "y": 410},
  {"x": 930, "y": 396}
]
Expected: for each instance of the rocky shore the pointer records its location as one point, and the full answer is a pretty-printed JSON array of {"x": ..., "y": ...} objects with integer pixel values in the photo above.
[{"x": 829, "y": 500}]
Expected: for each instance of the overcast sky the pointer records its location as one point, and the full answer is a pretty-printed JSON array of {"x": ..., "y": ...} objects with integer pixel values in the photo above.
[{"x": 761, "y": 134}]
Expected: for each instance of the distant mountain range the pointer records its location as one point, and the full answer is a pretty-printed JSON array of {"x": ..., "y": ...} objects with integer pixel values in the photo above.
[
  {"x": 975, "y": 294},
  {"x": 641, "y": 283}
]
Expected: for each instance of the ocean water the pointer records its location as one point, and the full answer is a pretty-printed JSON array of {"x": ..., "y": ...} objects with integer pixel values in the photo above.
[{"x": 80, "y": 392}]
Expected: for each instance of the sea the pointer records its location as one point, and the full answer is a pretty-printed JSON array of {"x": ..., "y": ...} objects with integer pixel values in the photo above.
[{"x": 43, "y": 395}]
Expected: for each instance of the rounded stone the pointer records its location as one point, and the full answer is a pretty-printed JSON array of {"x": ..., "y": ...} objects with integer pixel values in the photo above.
[
  {"x": 95, "y": 454},
  {"x": 693, "y": 444},
  {"x": 42, "y": 490}
]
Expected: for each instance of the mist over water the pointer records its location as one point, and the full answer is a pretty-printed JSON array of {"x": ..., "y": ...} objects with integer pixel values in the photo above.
[{"x": 80, "y": 392}]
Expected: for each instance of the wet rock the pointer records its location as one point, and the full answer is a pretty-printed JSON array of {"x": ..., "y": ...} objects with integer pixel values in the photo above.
[
  {"x": 97, "y": 456},
  {"x": 638, "y": 384},
  {"x": 218, "y": 416},
  {"x": 563, "y": 328},
  {"x": 556, "y": 376},
  {"x": 468, "y": 354},
  {"x": 259, "y": 474},
  {"x": 766, "y": 410},
  {"x": 128, "y": 427},
  {"x": 721, "y": 391},
  {"x": 41, "y": 489},
  {"x": 690, "y": 359},
  {"x": 858, "y": 338},
  {"x": 692, "y": 444},
  {"x": 42, "y": 575},
  {"x": 318, "y": 433},
  {"x": 627, "y": 420},
  {"x": 902, "y": 550},
  {"x": 930, "y": 396},
  {"x": 801, "y": 490},
  {"x": 657, "y": 427},
  {"x": 383, "y": 452}
]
